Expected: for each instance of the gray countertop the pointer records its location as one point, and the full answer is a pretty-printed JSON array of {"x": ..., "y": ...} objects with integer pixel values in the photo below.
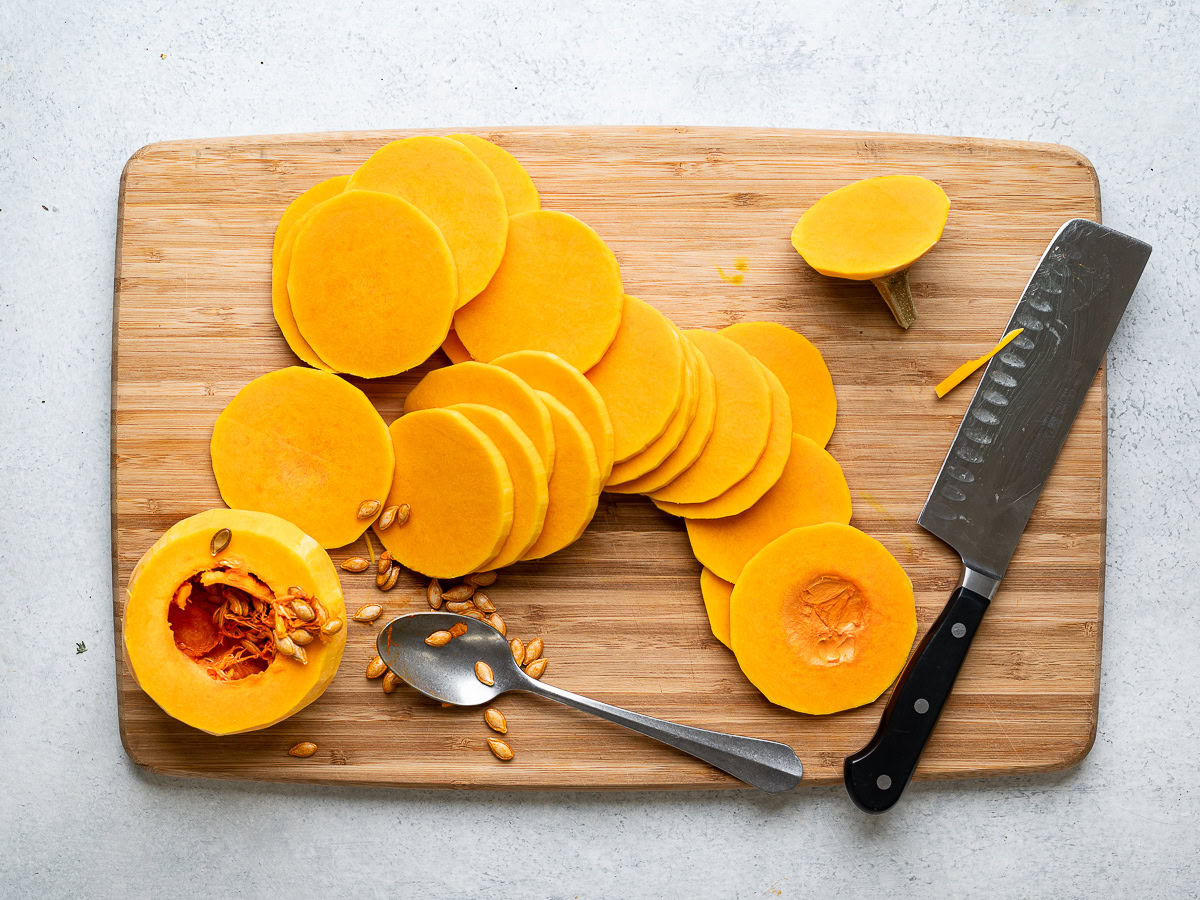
[{"x": 83, "y": 84}]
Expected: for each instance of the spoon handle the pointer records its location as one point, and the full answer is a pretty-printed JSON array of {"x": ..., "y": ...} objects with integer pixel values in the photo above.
[{"x": 768, "y": 765}]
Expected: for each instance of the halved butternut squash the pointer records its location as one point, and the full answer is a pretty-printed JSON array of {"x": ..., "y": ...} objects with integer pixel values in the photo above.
[
  {"x": 811, "y": 490},
  {"x": 200, "y": 630},
  {"x": 307, "y": 446},
  {"x": 520, "y": 195},
  {"x": 457, "y": 485},
  {"x": 716, "y": 592},
  {"x": 822, "y": 619}
]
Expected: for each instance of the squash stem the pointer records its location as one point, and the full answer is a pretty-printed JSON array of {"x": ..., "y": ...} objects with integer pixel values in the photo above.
[{"x": 894, "y": 289}]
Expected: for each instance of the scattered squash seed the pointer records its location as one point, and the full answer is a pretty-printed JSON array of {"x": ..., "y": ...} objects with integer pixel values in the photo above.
[
  {"x": 368, "y": 508},
  {"x": 459, "y": 592},
  {"x": 433, "y": 593},
  {"x": 536, "y": 668},
  {"x": 518, "y": 650},
  {"x": 390, "y": 682},
  {"x": 332, "y": 627},
  {"x": 303, "y": 750},
  {"x": 498, "y": 623},
  {"x": 495, "y": 720},
  {"x": 403, "y": 511},
  {"x": 439, "y": 639},
  {"x": 458, "y": 629},
  {"x": 500, "y": 749},
  {"x": 483, "y": 602},
  {"x": 388, "y": 517},
  {"x": 484, "y": 673},
  {"x": 376, "y": 667},
  {"x": 388, "y": 581},
  {"x": 368, "y": 613},
  {"x": 473, "y": 613},
  {"x": 533, "y": 650},
  {"x": 481, "y": 579},
  {"x": 384, "y": 563},
  {"x": 220, "y": 541},
  {"x": 459, "y": 606},
  {"x": 355, "y": 564}
]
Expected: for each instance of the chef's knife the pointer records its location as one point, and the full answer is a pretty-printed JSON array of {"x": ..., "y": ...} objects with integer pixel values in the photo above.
[{"x": 994, "y": 472}]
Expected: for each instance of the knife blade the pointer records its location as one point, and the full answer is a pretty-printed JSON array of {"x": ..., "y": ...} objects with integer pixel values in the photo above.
[{"x": 994, "y": 472}]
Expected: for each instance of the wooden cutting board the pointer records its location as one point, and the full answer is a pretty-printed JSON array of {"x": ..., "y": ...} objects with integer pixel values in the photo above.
[{"x": 620, "y": 610}]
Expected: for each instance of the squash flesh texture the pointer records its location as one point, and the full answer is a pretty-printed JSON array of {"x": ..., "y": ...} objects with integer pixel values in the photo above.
[
  {"x": 306, "y": 446},
  {"x": 546, "y": 372},
  {"x": 811, "y": 490},
  {"x": 694, "y": 440},
  {"x": 455, "y": 189},
  {"x": 281, "y": 303},
  {"x": 372, "y": 284},
  {"x": 520, "y": 194},
  {"x": 822, "y": 619},
  {"x": 558, "y": 289},
  {"x": 476, "y": 382},
  {"x": 740, "y": 429},
  {"x": 663, "y": 446},
  {"x": 641, "y": 378},
  {"x": 801, "y": 369},
  {"x": 873, "y": 227},
  {"x": 315, "y": 195},
  {"x": 762, "y": 477},
  {"x": 574, "y": 485},
  {"x": 454, "y": 478},
  {"x": 276, "y": 552},
  {"x": 531, "y": 494},
  {"x": 716, "y": 593},
  {"x": 454, "y": 349}
]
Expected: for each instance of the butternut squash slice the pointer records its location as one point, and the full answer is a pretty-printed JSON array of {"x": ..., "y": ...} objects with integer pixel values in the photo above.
[
  {"x": 695, "y": 439},
  {"x": 574, "y": 485},
  {"x": 822, "y": 619},
  {"x": 544, "y": 371},
  {"x": 811, "y": 490},
  {"x": 873, "y": 230},
  {"x": 281, "y": 303},
  {"x": 641, "y": 378},
  {"x": 454, "y": 349},
  {"x": 199, "y": 631},
  {"x": 476, "y": 382},
  {"x": 372, "y": 284},
  {"x": 531, "y": 494},
  {"x": 455, "y": 480},
  {"x": 452, "y": 186},
  {"x": 762, "y": 477},
  {"x": 558, "y": 289},
  {"x": 653, "y": 456},
  {"x": 520, "y": 195},
  {"x": 306, "y": 446},
  {"x": 800, "y": 367},
  {"x": 716, "y": 592},
  {"x": 318, "y": 193},
  {"x": 740, "y": 429}
]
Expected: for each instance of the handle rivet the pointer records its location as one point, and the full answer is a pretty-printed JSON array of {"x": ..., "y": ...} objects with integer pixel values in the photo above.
[
  {"x": 921, "y": 706},
  {"x": 883, "y": 782},
  {"x": 958, "y": 629}
]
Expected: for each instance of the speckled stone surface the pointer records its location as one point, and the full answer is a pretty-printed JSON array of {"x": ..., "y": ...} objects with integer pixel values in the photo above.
[{"x": 84, "y": 84}]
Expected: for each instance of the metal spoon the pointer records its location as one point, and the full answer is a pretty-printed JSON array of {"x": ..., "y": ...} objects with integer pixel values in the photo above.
[{"x": 447, "y": 673}]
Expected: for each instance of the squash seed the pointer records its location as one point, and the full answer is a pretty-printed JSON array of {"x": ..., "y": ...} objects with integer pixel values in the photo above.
[
  {"x": 390, "y": 682},
  {"x": 388, "y": 581},
  {"x": 433, "y": 593},
  {"x": 439, "y": 639},
  {"x": 483, "y": 602},
  {"x": 368, "y": 613},
  {"x": 459, "y": 606},
  {"x": 498, "y": 623},
  {"x": 301, "y": 638},
  {"x": 355, "y": 564},
  {"x": 304, "y": 612},
  {"x": 285, "y": 645},
  {"x": 518, "y": 650},
  {"x": 484, "y": 673},
  {"x": 458, "y": 629},
  {"x": 495, "y": 720},
  {"x": 459, "y": 592},
  {"x": 368, "y": 508},
  {"x": 388, "y": 517},
  {"x": 533, "y": 650},
  {"x": 384, "y": 563},
  {"x": 481, "y": 579},
  {"x": 536, "y": 668},
  {"x": 500, "y": 749},
  {"x": 403, "y": 511},
  {"x": 332, "y": 627},
  {"x": 295, "y": 591},
  {"x": 300, "y": 655},
  {"x": 473, "y": 613},
  {"x": 376, "y": 667},
  {"x": 220, "y": 541},
  {"x": 248, "y": 647},
  {"x": 303, "y": 750}
]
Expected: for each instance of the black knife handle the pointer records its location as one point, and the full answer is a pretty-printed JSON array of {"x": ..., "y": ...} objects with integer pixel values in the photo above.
[{"x": 878, "y": 773}]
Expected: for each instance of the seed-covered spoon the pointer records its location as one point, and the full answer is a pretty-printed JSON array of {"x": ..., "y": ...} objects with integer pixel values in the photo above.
[{"x": 448, "y": 671}]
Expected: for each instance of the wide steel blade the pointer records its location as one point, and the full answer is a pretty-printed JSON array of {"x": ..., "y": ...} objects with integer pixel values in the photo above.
[{"x": 1030, "y": 393}]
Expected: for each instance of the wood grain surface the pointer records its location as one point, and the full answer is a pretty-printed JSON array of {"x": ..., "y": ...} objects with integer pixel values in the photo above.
[{"x": 620, "y": 610}]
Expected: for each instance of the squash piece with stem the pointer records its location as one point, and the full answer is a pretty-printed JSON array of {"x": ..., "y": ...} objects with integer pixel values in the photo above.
[{"x": 873, "y": 230}]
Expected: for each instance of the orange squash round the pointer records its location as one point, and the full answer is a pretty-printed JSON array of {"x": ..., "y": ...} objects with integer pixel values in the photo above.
[{"x": 200, "y": 629}]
